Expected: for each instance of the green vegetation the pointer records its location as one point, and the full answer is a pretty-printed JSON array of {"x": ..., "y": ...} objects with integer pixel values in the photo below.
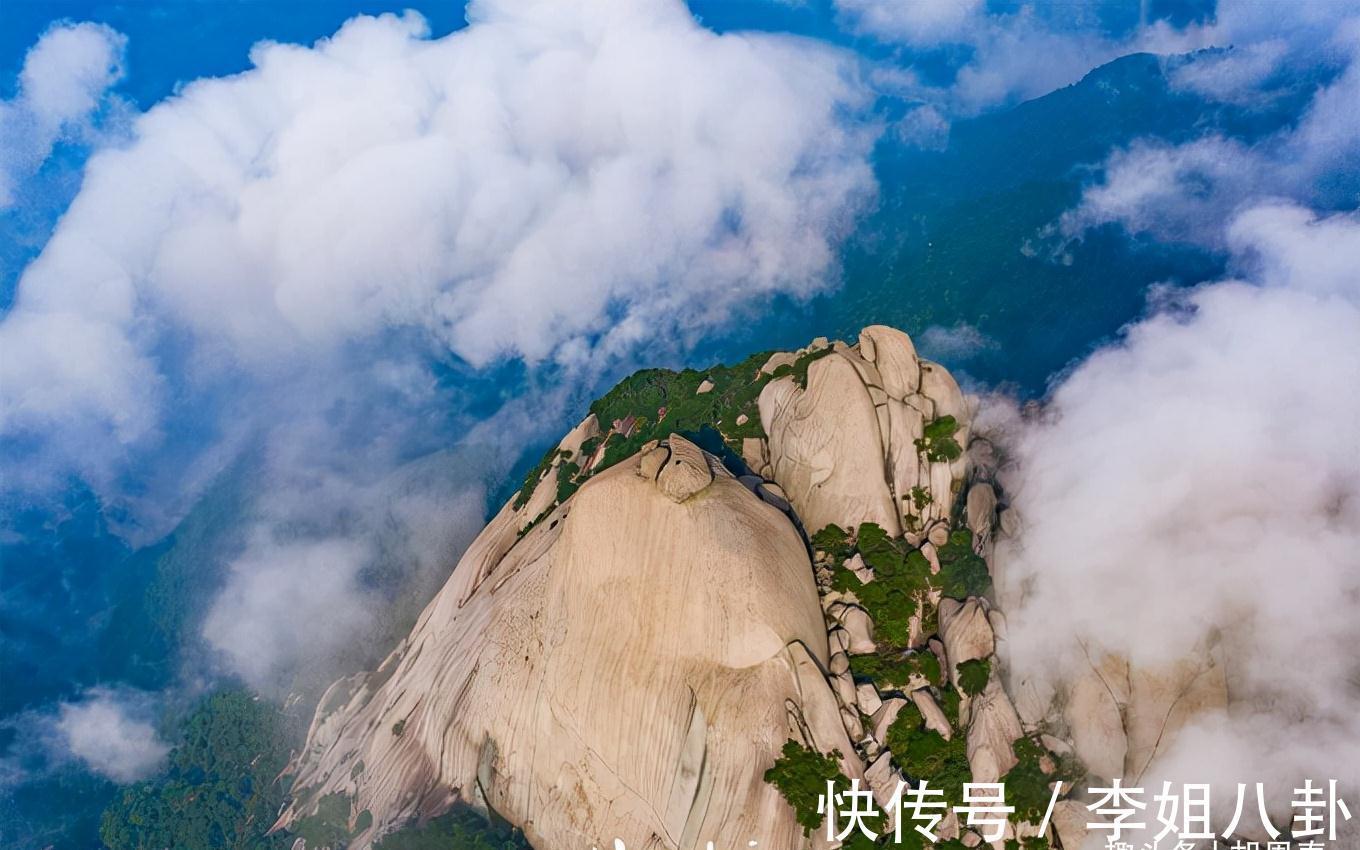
[
  {"x": 920, "y": 498},
  {"x": 644, "y": 394},
  {"x": 901, "y": 581},
  {"x": 458, "y": 829},
  {"x": 1027, "y": 784},
  {"x": 937, "y": 441},
  {"x": 963, "y": 572},
  {"x": 924, "y": 754},
  {"x": 328, "y": 826},
  {"x": 659, "y": 402},
  {"x": 534, "y": 476},
  {"x": 973, "y": 676},
  {"x": 566, "y": 480},
  {"x": 799, "y": 369},
  {"x": 399, "y": 727},
  {"x": 801, "y": 773},
  {"x": 894, "y": 668},
  {"x": 834, "y": 542},
  {"x": 219, "y": 790}
]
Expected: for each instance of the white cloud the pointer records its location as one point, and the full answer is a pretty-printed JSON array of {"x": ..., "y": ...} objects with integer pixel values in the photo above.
[
  {"x": 272, "y": 263},
  {"x": 1199, "y": 482},
  {"x": 1186, "y": 191},
  {"x": 954, "y": 343},
  {"x": 109, "y": 731},
  {"x": 557, "y": 182},
  {"x": 1009, "y": 54},
  {"x": 1176, "y": 192},
  {"x": 284, "y": 604},
  {"x": 914, "y": 22},
  {"x": 993, "y": 55},
  {"x": 63, "y": 84}
]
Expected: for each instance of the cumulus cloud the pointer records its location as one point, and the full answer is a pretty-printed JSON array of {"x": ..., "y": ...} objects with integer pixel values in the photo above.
[
  {"x": 62, "y": 87},
  {"x": 1198, "y": 484},
  {"x": 555, "y": 181},
  {"x": 322, "y": 263},
  {"x": 111, "y": 733}
]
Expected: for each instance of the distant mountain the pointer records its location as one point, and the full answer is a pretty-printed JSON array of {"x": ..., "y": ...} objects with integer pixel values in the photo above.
[{"x": 967, "y": 234}]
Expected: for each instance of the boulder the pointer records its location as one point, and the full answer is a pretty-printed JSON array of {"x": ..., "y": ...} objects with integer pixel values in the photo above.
[
  {"x": 933, "y": 714},
  {"x": 825, "y": 448},
  {"x": 1069, "y": 821},
  {"x": 660, "y": 708},
  {"x": 651, "y": 462},
  {"x": 571, "y": 444},
  {"x": 965, "y": 630},
  {"x": 860, "y": 629},
  {"x": 862, "y": 571},
  {"x": 866, "y": 695},
  {"x": 685, "y": 472},
  {"x": 779, "y": 358},
  {"x": 895, "y": 356},
  {"x": 884, "y": 782},
  {"x": 993, "y": 728},
  {"x": 884, "y": 717}
]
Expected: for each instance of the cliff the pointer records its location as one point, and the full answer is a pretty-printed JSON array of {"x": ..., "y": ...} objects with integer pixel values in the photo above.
[{"x": 711, "y": 565}]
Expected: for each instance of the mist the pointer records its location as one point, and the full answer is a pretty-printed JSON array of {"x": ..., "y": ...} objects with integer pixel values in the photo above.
[{"x": 1197, "y": 484}]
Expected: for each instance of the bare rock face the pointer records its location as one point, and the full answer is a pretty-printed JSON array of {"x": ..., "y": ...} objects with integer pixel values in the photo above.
[
  {"x": 845, "y": 446},
  {"x": 993, "y": 729},
  {"x": 825, "y": 449},
  {"x": 966, "y": 630},
  {"x": 625, "y": 662},
  {"x": 1120, "y": 717},
  {"x": 626, "y": 669}
]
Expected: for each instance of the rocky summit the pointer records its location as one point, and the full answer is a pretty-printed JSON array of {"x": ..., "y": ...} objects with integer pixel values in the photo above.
[{"x": 716, "y": 578}]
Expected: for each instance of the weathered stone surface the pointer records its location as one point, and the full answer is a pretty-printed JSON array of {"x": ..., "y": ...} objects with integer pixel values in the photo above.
[
  {"x": 1069, "y": 822},
  {"x": 648, "y": 658},
  {"x": 825, "y": 449},
  {"x": 938, "y": 534},
  {"x": 571, "y": 444},
  {"x": 1162, "y": 700},
  {"x": 933, "y": 714},
  {"x": 855, "y": 620},
  {"x": 993, "y": 728},
  {"x": 866, "y": 695},
  {"x": 884, "y": 717},
  {"x": 1093, "y": 713},
  {"x": 981, "y": 510},
  {"x": 882, "y": 780},
  {"x": 651, "y": 462},
  {"x": 965, "y": 630},
  {"x": 779, "y": 358},
  {"x": 856, "y": 565},
  {"x": 893, "y": 353},
  {"x": 685, "y": 472}
]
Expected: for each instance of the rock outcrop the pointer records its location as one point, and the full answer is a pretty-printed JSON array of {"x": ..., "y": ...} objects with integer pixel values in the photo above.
[
  {"x": 626, "y": 648},
  {"x": 626, "y": 669}
]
